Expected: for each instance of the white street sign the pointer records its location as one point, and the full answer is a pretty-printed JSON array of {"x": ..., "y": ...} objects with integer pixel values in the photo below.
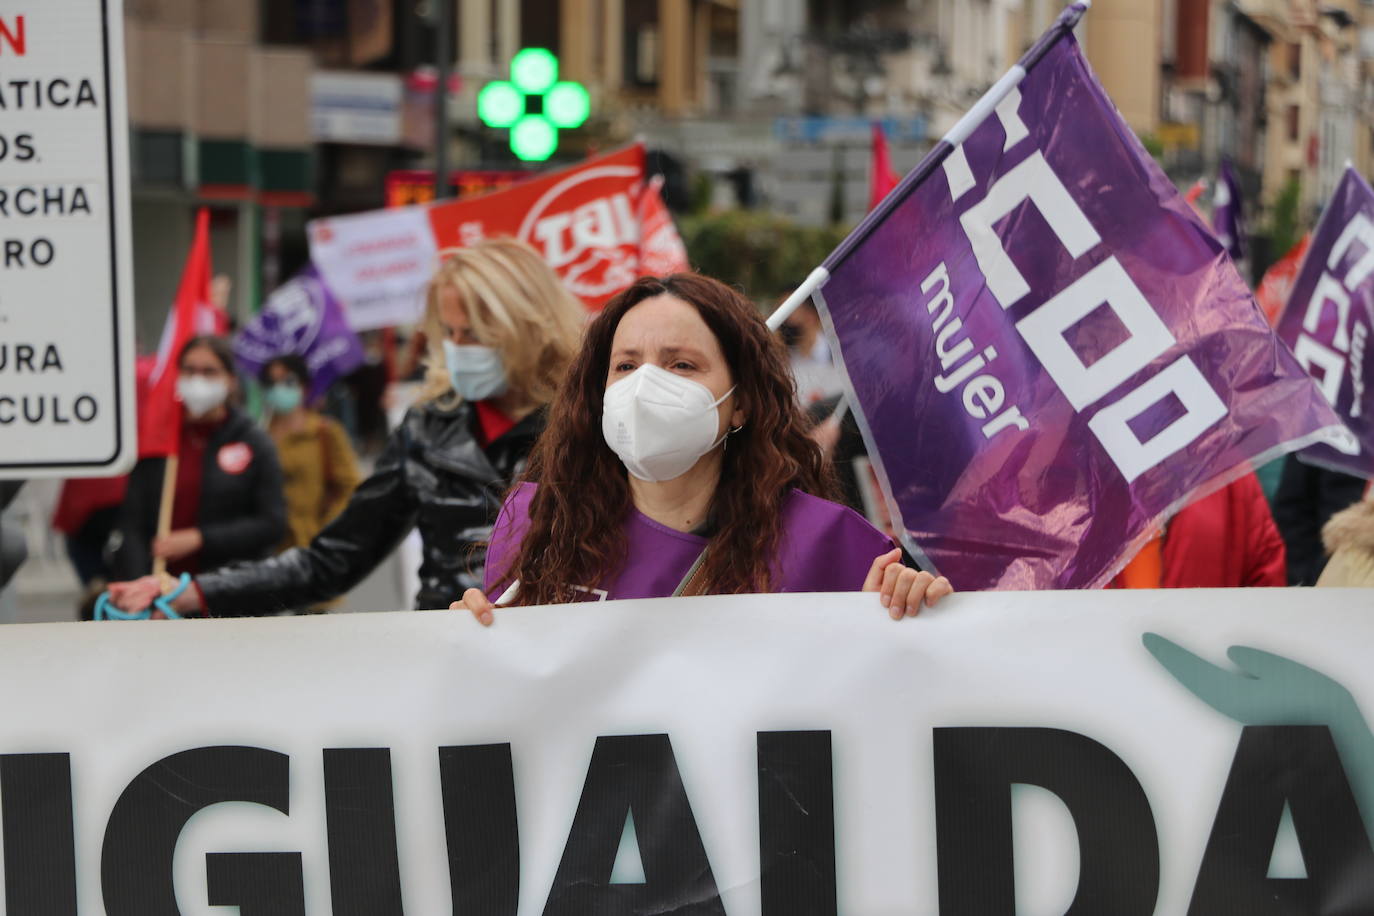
[
  {"x": 356, "y": 107},
  {"x": 66, "y": 289}
]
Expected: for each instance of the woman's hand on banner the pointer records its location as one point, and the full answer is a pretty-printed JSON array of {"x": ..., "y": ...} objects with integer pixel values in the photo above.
[
  {"x": 902, "y": 589},
  {"x": 478, "y": 603},
  {"x": 177, "y": 544},
  {"x": 136, "y": 595}
]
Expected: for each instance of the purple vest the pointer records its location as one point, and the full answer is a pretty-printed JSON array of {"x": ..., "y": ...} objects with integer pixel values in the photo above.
[{"x": 824, "y": 547}]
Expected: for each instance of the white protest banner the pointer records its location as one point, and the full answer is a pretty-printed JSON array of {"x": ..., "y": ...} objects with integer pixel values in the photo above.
[
  {"x": 758, "y": 756},
  {"x": 66, "y": 297}
]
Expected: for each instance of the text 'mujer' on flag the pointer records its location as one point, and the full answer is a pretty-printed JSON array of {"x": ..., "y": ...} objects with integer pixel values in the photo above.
[{"x": 1048, "y": 351}]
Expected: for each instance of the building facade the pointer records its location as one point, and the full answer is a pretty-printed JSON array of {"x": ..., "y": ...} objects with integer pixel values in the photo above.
[
  {"x": 1317, "y": 101},
  {"x": 272, "y": 112},
  {"x": 1282, "y": 88},
  {"x": 812, "y": 76},
  {"x": 217, "y": 118}
]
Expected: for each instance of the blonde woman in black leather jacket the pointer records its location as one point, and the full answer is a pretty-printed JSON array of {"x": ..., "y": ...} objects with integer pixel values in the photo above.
[{"x": 446, "y": 467}]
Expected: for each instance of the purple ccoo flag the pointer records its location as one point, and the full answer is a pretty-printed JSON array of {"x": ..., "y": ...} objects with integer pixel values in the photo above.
[
  {"x": 1329, "y": 317},
  {"x": 1227, "y": 221},
  {"x": 1047, "y": 350},
  {"x": 302, "y": 317}
]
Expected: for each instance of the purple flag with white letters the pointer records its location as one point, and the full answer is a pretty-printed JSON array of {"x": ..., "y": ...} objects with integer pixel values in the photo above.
[
  {"x": 301, "y": 317},
  {"x": 1227, "y": 221},
  {"x": 1329, "y": 318},
  {"x": 1048, "y": 351}
]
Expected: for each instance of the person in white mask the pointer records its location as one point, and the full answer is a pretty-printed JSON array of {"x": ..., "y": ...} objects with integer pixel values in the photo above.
[
  {"x": 227, "y": 504},
  {"x": 677, "y": 462},
  {"x": 501, "y": 329}
]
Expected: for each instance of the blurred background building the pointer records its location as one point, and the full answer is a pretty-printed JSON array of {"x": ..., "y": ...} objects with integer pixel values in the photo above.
[
  {"x": 1282, "y": 88},
  {"x": 274, "y": 111}
]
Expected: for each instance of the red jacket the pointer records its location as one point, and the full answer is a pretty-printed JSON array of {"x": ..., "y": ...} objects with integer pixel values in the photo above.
[
  {"x": 83, "y": 496},
  {"x": 1225, "y": 540}
]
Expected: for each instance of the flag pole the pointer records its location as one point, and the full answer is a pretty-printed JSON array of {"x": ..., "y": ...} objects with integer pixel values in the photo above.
[
  {"x": 164, "y": 508},
  {"x": 802, "y": 293},
  {"x": 960, "y": 132},
  {"x": 194, "y": 288},
  {"x": 443, "y": 64}
]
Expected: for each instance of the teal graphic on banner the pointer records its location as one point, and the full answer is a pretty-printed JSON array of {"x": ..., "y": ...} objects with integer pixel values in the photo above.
[
  {"x": 1306, "y": 754},
  {"x": 1272, "y": 690}
]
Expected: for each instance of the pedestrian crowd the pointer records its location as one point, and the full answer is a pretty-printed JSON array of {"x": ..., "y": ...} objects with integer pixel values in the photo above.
[{"x": 669, "y": 445}]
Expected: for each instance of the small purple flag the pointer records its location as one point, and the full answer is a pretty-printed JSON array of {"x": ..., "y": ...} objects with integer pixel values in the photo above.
[
  {"x": 1047, "y": 350},
  {"x": 1227, "y": 221},
  {"x": 301, "y": 317},
  {"x": 1330, "y": 316}
]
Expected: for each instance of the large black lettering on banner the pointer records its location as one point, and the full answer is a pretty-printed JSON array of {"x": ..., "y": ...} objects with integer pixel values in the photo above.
[
  {"x": 974, "y": 772},
  {"x": 796, "y": 824},
  {"x": 479, "y": 822},
  {"x": 364, "y": 866},
  {"x": 40, "y": 853},
  {"x": 258, "y": 883},
  {"x": 1298, "y": 766},
  {"x": 141, "y": 836},
  {"x": 634, "y": 775}
]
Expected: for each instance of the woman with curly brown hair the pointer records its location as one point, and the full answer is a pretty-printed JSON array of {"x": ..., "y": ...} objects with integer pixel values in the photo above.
[{"x": 677, "y": 462}]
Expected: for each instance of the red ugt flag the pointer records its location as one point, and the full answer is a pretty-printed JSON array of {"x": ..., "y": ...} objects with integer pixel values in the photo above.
[
  {"x": 661, "y": 251},
  {"x": 159, "y": 422}
]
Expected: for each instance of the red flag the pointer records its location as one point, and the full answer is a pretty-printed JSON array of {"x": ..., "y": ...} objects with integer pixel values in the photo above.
[
  {"x": 881, "y": 177},
  {"x": 1278, "y": 280},
  {"x": 159, "y": 422},
  {"x": 1193, "y": 194},
  {"x": 581, "y": 219},
  {"x": 661, "y": 251}
]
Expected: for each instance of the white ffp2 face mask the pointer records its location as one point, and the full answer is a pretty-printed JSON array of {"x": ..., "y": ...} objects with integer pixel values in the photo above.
[
  {"x": 201, "y": 395},
  {"x": 659, "y": 423},
  {"x": 477, "y": 372}
]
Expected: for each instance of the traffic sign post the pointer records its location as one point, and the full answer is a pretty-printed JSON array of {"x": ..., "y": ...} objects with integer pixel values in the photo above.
[{"x": 66, "y": 290}]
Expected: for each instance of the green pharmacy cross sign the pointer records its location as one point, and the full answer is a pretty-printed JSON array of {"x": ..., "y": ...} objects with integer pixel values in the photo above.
[{"x": 534, "y": 104}]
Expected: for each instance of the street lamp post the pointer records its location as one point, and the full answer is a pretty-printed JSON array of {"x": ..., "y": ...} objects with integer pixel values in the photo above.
[{"x": 443, "y": 53}]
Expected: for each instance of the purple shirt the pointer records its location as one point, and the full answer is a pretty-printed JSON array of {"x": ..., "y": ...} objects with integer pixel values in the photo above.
[{"x": 824, "y": 547}]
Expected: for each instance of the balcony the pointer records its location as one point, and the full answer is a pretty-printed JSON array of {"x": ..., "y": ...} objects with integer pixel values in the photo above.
[{"x": 1274, "y": 16}]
